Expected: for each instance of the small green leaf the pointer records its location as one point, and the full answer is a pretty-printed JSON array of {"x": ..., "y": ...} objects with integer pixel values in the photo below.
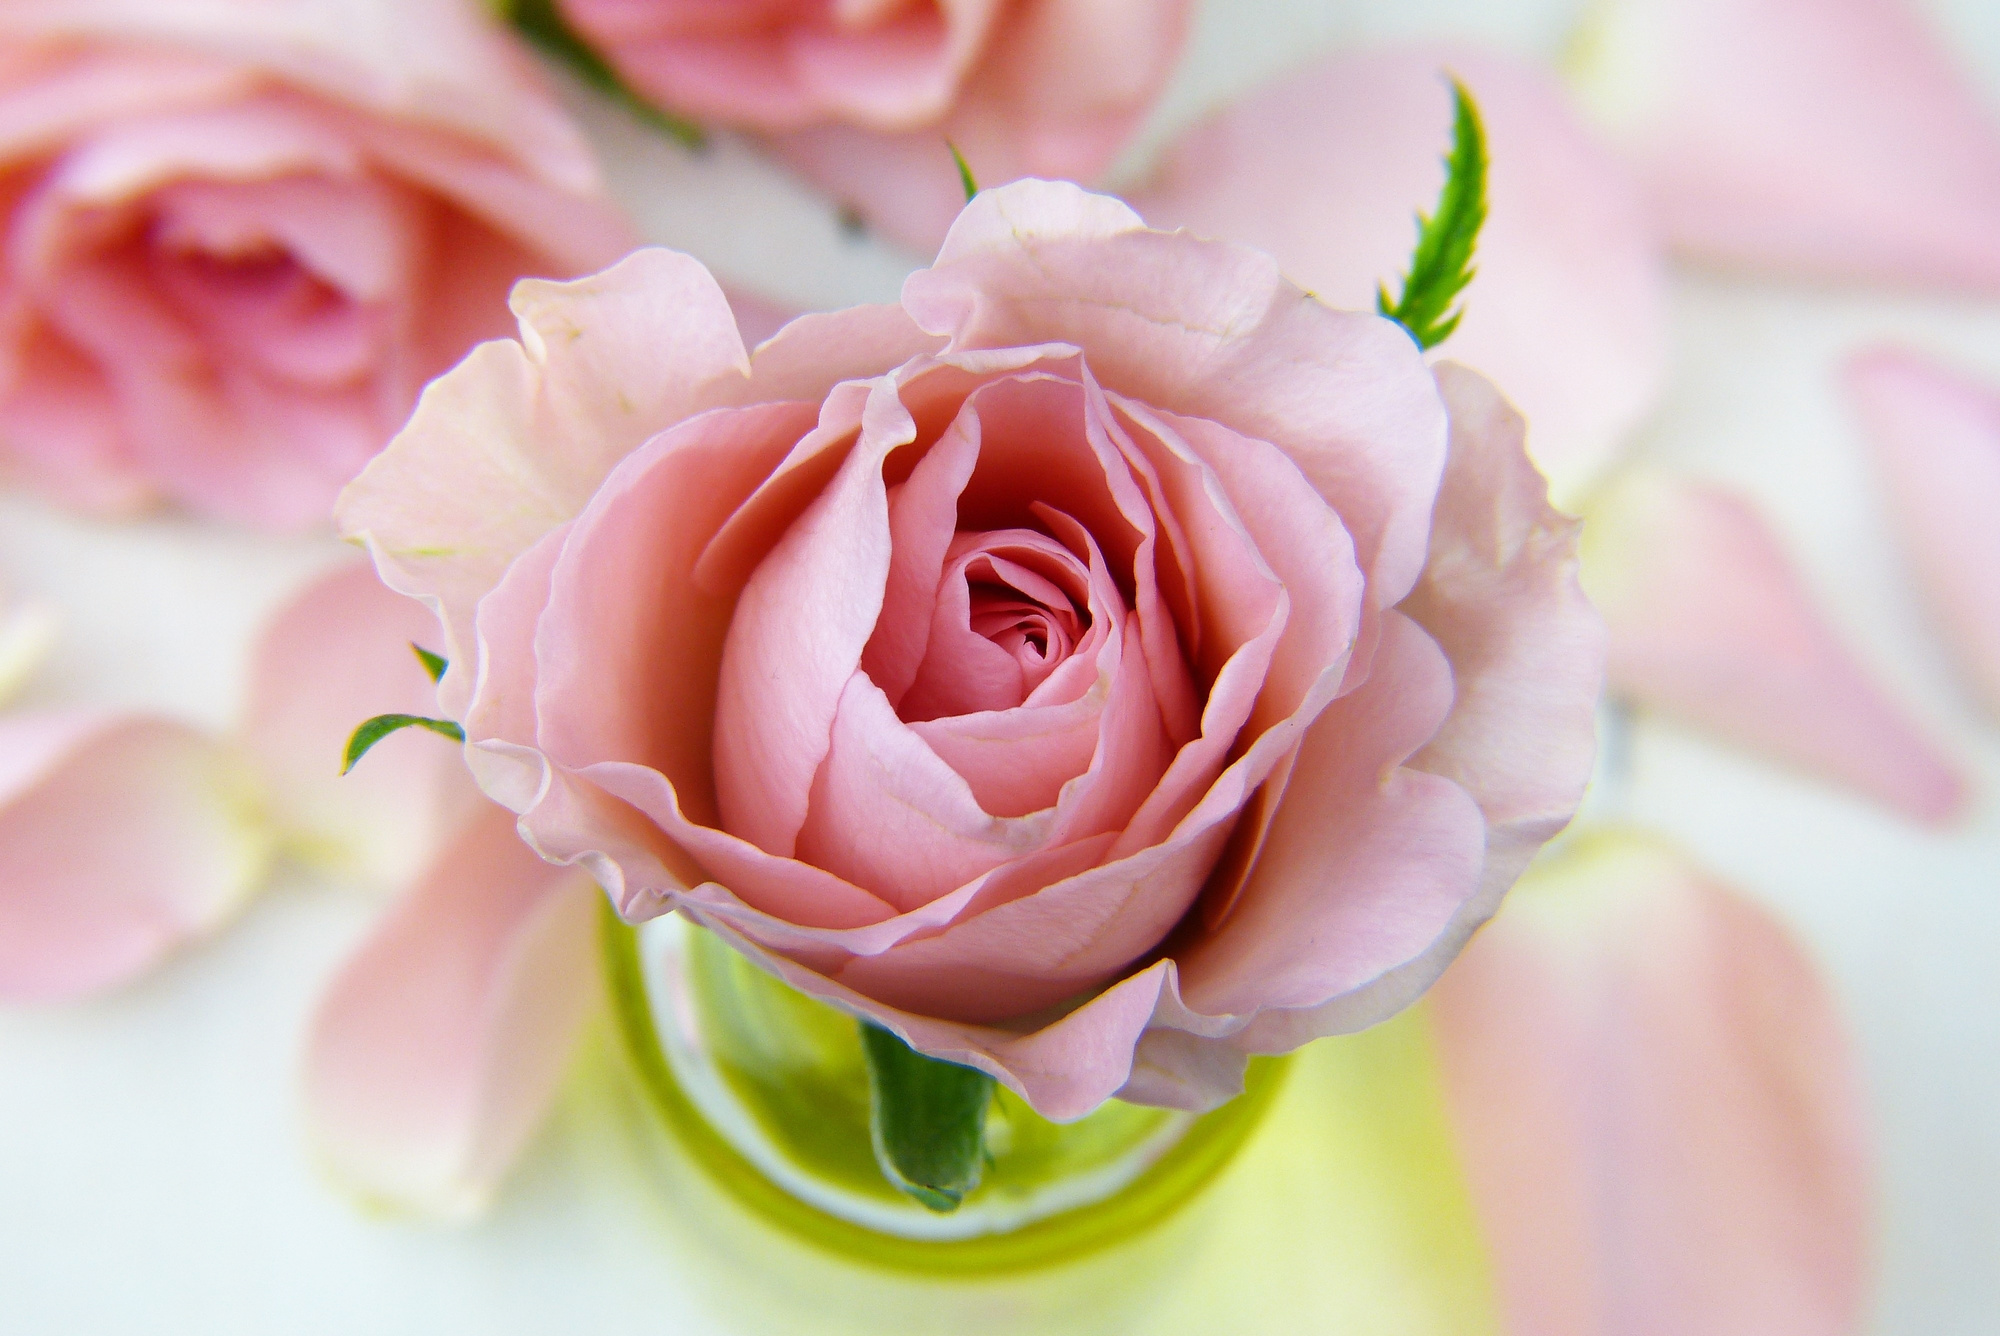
[
  {"x": 927, "y": 1119},
  {"x": 433, "y": 664},
  {"x": 541, "y": 23},
  {"x": 965, "y": 177},
  {"x": 382, "y": 725},
  {"x": 1442, "y": 264}
]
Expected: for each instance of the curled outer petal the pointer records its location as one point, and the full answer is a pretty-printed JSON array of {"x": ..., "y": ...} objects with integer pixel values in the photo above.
[{"x": 1499, "y": 597}]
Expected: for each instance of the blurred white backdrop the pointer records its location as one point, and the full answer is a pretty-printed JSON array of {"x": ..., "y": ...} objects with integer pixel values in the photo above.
[{"x": 152, "y": 1173}]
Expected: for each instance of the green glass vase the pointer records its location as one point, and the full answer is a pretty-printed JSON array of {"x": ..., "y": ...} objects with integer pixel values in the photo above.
[{"x": 768, "y": 1090}]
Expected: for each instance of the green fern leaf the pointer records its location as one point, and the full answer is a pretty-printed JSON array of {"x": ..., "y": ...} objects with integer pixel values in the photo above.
[{"x": 1442, "y": 264}]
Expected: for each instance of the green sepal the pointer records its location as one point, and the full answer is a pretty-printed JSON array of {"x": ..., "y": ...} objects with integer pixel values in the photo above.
[
  {"x": 1446, "y": 239},
  {"x": 382, "y": 725},
  {"x": 927, "y": 1119},
  {"x": 434, "y": 664},
  {"x": 965, "y": 176},
  {"x": 541, "y": 23}
]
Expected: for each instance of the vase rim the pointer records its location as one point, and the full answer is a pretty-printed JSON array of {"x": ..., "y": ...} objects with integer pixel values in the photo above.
[{"x": 1173, "y": 1178}]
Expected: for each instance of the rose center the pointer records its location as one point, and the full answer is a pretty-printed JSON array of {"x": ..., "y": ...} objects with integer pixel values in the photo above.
[
  {"x": 257, "y": 299},
  {"x": 1012, "y": 609}
]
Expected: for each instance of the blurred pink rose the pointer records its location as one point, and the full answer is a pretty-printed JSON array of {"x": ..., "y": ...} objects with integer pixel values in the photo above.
[
  {"x": 1104, "y": 665},
  {"x": 862, "y": 94},
  {"x": 241, "y": 235}
]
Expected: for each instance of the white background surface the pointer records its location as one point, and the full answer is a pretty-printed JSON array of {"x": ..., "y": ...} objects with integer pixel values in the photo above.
[{"x": 152, "y": 1177}]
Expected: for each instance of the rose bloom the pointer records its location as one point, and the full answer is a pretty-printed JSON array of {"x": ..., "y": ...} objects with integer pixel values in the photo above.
[
  {"x": 242, "y": 234},
  {"x": 1106, "y": 664},
  {"x": 861, "y": 95}
]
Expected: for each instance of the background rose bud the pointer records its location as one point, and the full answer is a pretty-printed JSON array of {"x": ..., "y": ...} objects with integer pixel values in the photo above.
[
  {"x": 240, "y": 236},
  {"x": 1104, "y": 665},
  {"x": 861, "y": 95}
]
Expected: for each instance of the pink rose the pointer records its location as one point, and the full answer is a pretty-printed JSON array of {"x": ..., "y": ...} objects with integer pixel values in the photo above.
[
  {"x": 1108, "y": 663},
  {"x": 241, "y": 235},
  {"x": 861, "y": 95}
]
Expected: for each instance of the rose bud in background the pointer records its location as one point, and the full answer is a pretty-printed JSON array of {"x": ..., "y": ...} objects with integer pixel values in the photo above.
[
  {"x": 862, "y": 95},
  {"x": 1106, "y": 664},
  {"x": 241, "y": 236}
]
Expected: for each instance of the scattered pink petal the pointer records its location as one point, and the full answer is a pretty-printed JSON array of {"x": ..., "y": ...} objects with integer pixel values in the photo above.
[
  {"x": 439, "y": 1045},
  {"x": 338, "y": 654},
  {"x": 1937, "y": 445},
  {"x": 121, "y": 838},
  {"x": 1711, "y": 623},
  {"x": 1659, "y": 1114},
  {"x": 1821, "y": 138},
  {"x": 1326, "y": 170}
]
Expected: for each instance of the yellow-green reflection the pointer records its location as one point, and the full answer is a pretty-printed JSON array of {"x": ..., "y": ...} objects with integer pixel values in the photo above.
[
  {"x": 1345, "y": 1212},
  {"x": 796, "y": 1064}
]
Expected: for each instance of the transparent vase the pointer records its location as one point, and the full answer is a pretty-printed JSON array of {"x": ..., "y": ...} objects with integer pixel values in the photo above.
[{"x": 768, "y": 1090}]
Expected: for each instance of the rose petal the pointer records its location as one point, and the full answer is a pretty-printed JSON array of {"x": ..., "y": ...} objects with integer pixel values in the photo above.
[
  {"x": 780, "y": 68},
  {"x": 438, "y": 1047},
  {"x": 1659, "y": 1114},
  {"x": 1061, "y": 92},
  {"x": 441, "y": 64},
  {"x": 890, "y": 815},
  {"x": 1821, "y": 138},
  {"x": 796, "y": 637},
  {"x": 61, "y": 430},
  {"x": 526, "y": 433},
  {"x": 923, "y": 518},
  {"x": 1500, "y": 594},
  {"x": 337, "y": 654},
  {"x": 1710, "y": 622},
  {"x": 1366, "y": 862},
  {"x": 1345, "y": 395},
  {"x": 1937, "y": 445},
  {"x": 122, "y": 838}
]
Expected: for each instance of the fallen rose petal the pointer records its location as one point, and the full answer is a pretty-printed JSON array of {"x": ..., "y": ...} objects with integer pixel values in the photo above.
[
  {"x": 1817, "y": 138},
  {"x": 1937, "y": 449},
  {"x": 435, "y": 1052},
  {"x": 1326, "y": 170},
  {"x": 340, "y": 653},
  {"x": 121, "y": 839},
  {"x": 1657, "y": 1108},
  {"x": 1711, "y": 623}
]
